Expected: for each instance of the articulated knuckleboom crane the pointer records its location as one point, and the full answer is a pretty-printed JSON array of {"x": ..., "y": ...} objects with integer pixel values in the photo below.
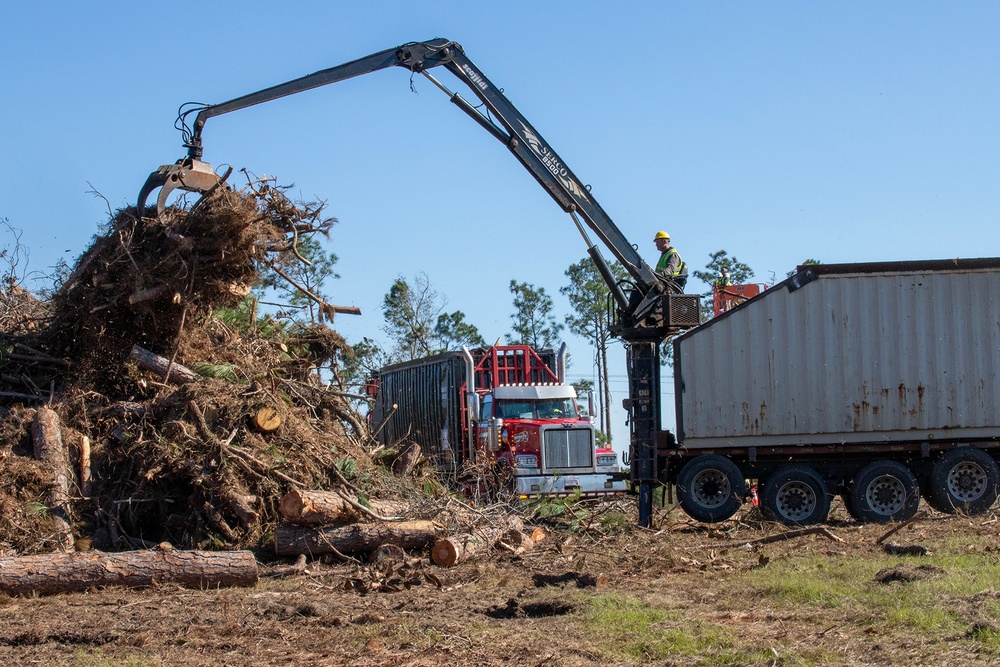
[{"x": 653, "y": 308}]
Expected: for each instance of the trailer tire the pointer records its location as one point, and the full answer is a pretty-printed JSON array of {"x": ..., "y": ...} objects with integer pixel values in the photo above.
[
  {"x": 795, "y": 496},
  {"x": 710, "y": 488},
  {"x": 965, "y": 480},
  {"x": 884, "y": 491}
]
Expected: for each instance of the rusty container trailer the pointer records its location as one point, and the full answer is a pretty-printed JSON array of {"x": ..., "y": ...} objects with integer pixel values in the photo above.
[{"x": 845, "y": 366}]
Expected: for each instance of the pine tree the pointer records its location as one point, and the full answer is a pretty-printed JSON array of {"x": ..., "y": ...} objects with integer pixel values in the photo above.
[
  {"x": 533, "y": 321},
  {"x": 589, "y": 295}
]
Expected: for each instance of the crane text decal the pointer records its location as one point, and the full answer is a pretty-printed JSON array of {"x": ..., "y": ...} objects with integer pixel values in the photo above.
[
  {"x": 552, "y": 163},
  {"x": 474, "y": 77}
]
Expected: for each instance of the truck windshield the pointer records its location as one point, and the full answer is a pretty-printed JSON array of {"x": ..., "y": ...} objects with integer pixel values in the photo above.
[{"x": 524, "y": 409}]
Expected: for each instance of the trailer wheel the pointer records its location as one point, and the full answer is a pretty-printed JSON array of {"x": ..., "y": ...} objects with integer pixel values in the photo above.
[
  {"x": 796, "y": 495},
  {"x": 884, "y": 491},
  {"x": 710, "y": 488},
  {"x": 964, "y": 480}
]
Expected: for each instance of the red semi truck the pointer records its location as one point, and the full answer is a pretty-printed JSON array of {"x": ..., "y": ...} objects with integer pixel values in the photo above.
[{"x": 500, "y": 413}]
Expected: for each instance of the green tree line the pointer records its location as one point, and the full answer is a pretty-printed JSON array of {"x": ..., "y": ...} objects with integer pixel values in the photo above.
[{"x": 417, "y": 322}]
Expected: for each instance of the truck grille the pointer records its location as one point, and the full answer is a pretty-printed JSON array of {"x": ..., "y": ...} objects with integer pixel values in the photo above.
[{"x": 567, "y": 448}]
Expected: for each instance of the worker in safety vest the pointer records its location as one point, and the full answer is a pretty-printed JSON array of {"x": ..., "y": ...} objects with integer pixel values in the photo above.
[{"x": 670, "y": 265}]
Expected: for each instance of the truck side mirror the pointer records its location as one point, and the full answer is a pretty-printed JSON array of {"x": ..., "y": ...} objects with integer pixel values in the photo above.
[{"x": 473, "y": 401}]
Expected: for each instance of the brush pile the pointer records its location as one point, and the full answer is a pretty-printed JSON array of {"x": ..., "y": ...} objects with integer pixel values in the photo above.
[{"x": 199, "y": 464}]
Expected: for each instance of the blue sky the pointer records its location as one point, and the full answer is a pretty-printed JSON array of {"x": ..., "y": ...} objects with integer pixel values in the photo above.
[{"x": 778, "y": 131}]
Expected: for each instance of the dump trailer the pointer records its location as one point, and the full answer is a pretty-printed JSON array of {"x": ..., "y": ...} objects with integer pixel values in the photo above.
[
  {"x": 501, "y": 416},
  {"x": 879, "y": 382}
]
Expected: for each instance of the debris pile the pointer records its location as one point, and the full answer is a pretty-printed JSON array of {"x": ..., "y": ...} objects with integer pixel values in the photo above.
[
  {"x": 158, "y": 453},
  {"x": 148, "y": 408}
]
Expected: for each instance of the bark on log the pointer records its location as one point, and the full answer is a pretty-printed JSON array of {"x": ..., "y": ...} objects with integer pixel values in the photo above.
[
  {"x": 406, "y": 461},
  {"x": 86, "y": 486},
  {"x": 154, "y": 363},
  {"x": 217, "y": 521},
  {"x": 451, "y": 551},
  {"x": 318, "y": 508},
  {"x": 517, "y": 541},
  {"x": 44, "y": 574},
  {"x": 242, "y": 507},
  {"x": 46, "y": 436},
  {"x": 292, "y": 540},
  {"x": 148, "y": 294}
]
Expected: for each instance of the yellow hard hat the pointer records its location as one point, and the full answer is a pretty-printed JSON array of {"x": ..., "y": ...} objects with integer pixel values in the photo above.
[{"x": 661, "y": 235}]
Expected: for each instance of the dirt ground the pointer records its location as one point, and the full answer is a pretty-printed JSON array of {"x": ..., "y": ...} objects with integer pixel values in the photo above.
[
  {"x": 189, "y": 464},
  {"x": 685, "y": 593}
]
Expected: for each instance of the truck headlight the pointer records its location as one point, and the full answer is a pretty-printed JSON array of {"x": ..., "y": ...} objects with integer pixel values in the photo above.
[
  {"x": 607, "y": 459},
  {"x": 526, "y": 461}
]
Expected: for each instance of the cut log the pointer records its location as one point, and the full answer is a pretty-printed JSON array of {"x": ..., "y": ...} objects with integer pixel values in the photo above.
[
  {"x": 217, "y": 521},
  {"x": 44, "y": 574},
  {"x": 267, "y": 419},
  {"x": 243, "y": 507},
  {"x": 292, "y": 540},
  {"x": 86, "y": 486},
  {"x": 451, "y": 551},
  {"x": 517, "y": 541},
  {"x": 46, "y": 436},
  {"x": 154, "y": 363},
  {"x": 407, "y": 460},
  {"x": 522, "y": 540},
  {"x": 148, "y": 294},
  {"x": 323, "y": 508}
]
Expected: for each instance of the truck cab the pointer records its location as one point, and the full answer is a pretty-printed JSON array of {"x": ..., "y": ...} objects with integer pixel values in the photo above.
[{"x": 537, "y": 432}]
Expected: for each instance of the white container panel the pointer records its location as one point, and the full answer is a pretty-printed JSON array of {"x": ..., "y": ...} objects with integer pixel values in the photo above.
[{"x": 853, "y": 356}]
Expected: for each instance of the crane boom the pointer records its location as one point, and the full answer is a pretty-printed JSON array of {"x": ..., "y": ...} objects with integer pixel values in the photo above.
[{"x": 645, "y": 317}]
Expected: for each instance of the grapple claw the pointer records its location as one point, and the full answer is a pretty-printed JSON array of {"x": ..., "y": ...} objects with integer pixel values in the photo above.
[{"x": 186, "y": 174}]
